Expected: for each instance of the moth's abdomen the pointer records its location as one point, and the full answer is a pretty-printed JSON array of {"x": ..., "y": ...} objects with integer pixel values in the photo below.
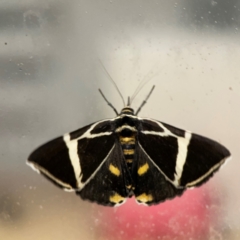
[{"x": 127, "y": 139}]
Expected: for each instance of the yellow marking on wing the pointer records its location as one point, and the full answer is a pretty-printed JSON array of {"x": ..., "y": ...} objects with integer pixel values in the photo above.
[
  {"x": 116, "y": 198},
  {"x": 127, "y": 140},
  {"x": 114, "y": 170},
  {"x": 128, "y": 186},
  {"x": 144, "y": 198},
  {"x": 128, "y": 151},
  {"x": 143, "y": 169}
]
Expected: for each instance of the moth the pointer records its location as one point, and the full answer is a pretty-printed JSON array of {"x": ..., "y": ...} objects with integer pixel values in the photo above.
[{"x": 114, "y": 159}]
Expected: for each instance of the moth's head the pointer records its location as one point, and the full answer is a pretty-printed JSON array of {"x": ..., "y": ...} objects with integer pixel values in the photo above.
[{"x": 127, "y": 110}]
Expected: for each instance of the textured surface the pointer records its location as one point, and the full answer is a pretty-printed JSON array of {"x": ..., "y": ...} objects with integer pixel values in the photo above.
[{"x": 49, "y": 76}]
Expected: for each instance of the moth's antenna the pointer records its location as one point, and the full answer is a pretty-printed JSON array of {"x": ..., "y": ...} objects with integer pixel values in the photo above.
[
  {"x": 112, "y": 82},
  {"x": 140, "y": 86},
  {"x": 109, "y": 104},
  {"x": 144, "y": 102}
]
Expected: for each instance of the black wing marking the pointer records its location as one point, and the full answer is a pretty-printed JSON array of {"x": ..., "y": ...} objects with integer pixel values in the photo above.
[
  {"x": 150, "y": 185},
  {"x": 72, "y": 160},
  {"x": 204, "y": 158},
  {"x": 109, "y": 185},
  {"x": 52, "y": 160},
  {"x": 184, "y": 158}
]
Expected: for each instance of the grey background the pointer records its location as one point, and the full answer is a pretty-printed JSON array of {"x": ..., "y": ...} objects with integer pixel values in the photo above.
[{"x": 49, "y": 76}]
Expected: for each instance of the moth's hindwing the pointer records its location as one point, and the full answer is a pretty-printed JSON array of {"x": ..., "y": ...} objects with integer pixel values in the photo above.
[
  {"x": 108, "y": 186},
  {"x": 151, "y": 186},
  {"x": 185, "y": 159}
]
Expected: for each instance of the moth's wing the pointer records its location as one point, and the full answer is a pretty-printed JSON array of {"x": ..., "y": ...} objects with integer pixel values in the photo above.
[
  {"x": 88, "y": 160},
  {"x": 109, "y": 184},
  {"x": 71, "y": 159},
  {"x": 183, "y": 158},
  {"x": 53, "y": 162},
  {"x": 150, "y": 184}
]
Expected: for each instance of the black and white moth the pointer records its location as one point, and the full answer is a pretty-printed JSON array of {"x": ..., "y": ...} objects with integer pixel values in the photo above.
[{"x": 111, "y": 160}]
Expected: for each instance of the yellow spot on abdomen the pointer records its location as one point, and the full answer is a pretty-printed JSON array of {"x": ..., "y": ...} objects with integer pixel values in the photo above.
[
  {"x": 143, "y": 169},
  {"x": 128, "y": 151},
  {"x": 114, "y": 170},
  {"x": 127, "y": 140},
  {"x": 144, "y": 198},
  {"x": 129, "y": 160},
  {"x": 116, "y": 198}
]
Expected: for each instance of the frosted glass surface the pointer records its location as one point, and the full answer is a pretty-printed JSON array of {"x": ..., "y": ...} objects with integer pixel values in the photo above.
[{"x": 49, "y": 80}]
